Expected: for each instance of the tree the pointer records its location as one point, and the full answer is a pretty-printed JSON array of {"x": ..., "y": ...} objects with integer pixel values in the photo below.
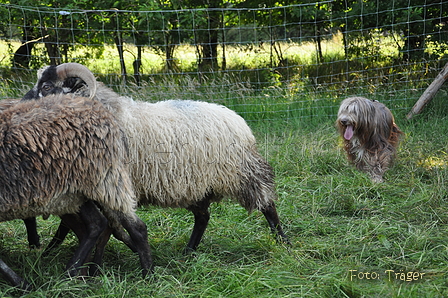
[
  {"x": 415, "y": 22},
  {"x": 48, "y": 22},
  {"x": 24, "y": 32}
]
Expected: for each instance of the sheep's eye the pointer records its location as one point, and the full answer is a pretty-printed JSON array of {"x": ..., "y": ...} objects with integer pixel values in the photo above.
[{"x": 47, "y": 87}]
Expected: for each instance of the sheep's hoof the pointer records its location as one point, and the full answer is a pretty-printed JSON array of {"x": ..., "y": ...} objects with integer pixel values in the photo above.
[
  {"x": 94, "y": 269},
  {"x": 147, "y": 272},
  {"x": 188, "y": 251},
  {"x": 285, "y": 240},
  {"x": 24, "y": 286}
]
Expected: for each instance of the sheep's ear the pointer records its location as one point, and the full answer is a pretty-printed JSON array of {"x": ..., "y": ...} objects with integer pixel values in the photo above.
[
  {"x": 72, "y": 84},
  {"x": 66, "y": 70}
]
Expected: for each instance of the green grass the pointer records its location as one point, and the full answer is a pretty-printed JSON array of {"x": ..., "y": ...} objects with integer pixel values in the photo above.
[{"x": 337, "y": 219}]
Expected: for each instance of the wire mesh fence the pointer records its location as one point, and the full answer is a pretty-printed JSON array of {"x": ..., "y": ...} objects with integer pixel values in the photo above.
[{"x": 287, "y": 61}]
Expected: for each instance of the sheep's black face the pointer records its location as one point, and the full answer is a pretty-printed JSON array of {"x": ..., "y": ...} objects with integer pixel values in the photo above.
[{"x": 49, "y": 83}]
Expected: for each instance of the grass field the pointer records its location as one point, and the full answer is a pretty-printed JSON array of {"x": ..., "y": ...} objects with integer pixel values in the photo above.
[{"x": 350, "y": 237}]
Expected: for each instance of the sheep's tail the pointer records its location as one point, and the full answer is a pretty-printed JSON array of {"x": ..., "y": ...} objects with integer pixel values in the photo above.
[
  {"x": 116, "y": 191},
  {"x": 257, "y": 187},
  {"x": 114, "y": 187}
]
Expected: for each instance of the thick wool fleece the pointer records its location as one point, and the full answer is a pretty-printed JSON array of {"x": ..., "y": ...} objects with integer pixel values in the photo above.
[
  {"x": 182, "y": 150},
  {"x": 57, "y": 152}
]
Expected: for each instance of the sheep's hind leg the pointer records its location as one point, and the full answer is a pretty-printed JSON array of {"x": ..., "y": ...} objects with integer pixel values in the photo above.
[
  {"x": 270, "y": 213},
  {"x": 201, "y": 218},
  {"x": 68, "y": 222},
  {"x": 95, "y": 223},
  {"x": 99, "y": 251},
  {"x": 72, "y": 222}
]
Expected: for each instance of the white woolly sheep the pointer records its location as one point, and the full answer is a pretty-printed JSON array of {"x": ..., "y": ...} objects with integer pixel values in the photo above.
[
  {"x": 59, "y": 156},
  {"x": 183, "y": 153}
]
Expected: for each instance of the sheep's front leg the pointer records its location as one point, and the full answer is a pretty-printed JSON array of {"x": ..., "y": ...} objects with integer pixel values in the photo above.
[
  {"x": 270, "y": 213},
  {"x": 12, "y": 277},
  {"x": 139, "y": 235},
  {"x": 99, "y": 251},
  {"x": 201, "y": 218},
  {"x": 31, "y": 230},
  {"x": 95, "y": 223}
]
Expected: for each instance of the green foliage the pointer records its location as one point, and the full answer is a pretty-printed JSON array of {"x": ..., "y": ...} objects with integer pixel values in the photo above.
[
  {"x": 415, "y": 22},
  {"x": 164, "y": 25}
]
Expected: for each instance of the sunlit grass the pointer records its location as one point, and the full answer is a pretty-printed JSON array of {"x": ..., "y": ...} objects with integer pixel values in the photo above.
[
  {"x": 435, "y": 162},
  {"x": 239, "y": 55}
]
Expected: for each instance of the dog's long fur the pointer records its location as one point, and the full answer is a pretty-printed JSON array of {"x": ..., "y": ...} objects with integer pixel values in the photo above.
[{"x": 370, "y": 135}]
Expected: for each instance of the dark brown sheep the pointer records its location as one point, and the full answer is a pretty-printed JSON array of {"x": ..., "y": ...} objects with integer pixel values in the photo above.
[{"x": 58, "y": 156}]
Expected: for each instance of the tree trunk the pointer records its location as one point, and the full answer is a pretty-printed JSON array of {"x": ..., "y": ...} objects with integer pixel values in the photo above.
[
  {"x": 53, "y": 52},
  {"x": 137, "y": 64},
  {"x": 22, "y": 56},
  {"x": 119, "y": 43},
  {"x": 320, "y": 57},
  {"x": 224, "y": 59},
  {"x": 169, "y": 57},
  {"x": 52, "y": 47},
  {"x": 208, "y": 45}
]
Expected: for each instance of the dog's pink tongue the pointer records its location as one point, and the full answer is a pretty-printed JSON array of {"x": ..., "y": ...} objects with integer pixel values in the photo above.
[{"x": 348, "y": 134}]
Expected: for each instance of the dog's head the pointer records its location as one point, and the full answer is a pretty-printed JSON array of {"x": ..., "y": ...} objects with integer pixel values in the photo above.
[
  {"x": 364, "y": 119},
  {"x": 353, "y": 116}
]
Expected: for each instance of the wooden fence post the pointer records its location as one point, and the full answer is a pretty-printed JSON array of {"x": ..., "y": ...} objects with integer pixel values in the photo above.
[{"x": 429, "y": 92}]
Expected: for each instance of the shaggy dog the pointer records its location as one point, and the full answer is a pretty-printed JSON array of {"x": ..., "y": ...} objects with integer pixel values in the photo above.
[{"x": 370, "y": 135}]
